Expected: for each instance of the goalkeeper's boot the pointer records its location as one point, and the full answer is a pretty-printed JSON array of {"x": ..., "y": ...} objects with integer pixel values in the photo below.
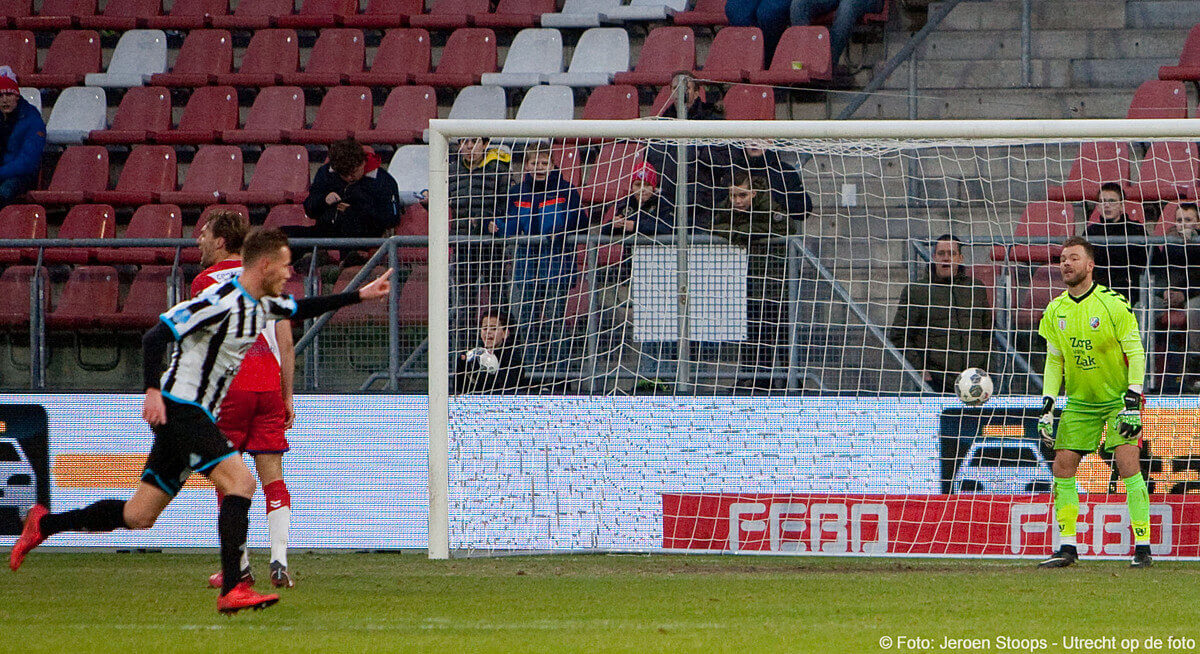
[
  {"x": 217, "y": 579},
  {"x": 1141, "y": 557},
  {"x": 243, "y": 596},
  {"x": 1066, "y": 555},
  {"x": 31, "y": 536},
  {"x": 279, "y": 576}
]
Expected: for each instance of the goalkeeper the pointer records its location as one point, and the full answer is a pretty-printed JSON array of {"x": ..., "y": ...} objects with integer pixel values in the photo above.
[{"x": 1092, "y": 335}]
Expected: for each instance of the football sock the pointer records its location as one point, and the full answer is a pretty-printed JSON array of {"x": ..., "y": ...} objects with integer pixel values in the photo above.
[
  {"x": 1066, "y": 508},
  {"x": 105, "y": 515},
  {"x": 233, "y": 521},
  {"x": 279, "y": 518},
  {"x": 1137, "y": 498}
]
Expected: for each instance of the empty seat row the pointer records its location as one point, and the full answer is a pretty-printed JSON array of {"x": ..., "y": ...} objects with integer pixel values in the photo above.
[{"x": 74, "y": 58}]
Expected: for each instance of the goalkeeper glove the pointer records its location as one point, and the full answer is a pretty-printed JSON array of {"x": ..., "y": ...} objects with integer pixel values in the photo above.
[
  {"x": 1129, "y": 420},
  {"x": 1046, "y": 422}
]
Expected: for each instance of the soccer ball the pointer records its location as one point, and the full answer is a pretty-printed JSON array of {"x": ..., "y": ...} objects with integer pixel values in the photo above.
[{"x": 973, "y": 386}]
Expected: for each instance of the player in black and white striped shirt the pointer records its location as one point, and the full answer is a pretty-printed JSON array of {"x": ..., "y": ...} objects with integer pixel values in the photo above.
[{"x": 213, "y": 332}]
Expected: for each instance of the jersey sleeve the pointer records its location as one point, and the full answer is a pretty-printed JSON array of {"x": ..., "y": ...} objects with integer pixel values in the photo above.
[
  {"x": 1130, "y": 337},
  {"x": 1046, "y": 329},
  {"x": 281, "y": 307},
  {"x": 193, "y": 315}
]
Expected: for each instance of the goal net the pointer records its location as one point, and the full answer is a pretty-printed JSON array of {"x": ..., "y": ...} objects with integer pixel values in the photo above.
[{"x": 745, "y": 337}]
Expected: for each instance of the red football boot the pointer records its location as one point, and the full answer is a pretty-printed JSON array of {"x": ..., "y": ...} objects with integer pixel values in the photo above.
[
  {"x": 243, "y": 597},
  {"x": 31, "y": 536},
  {"x": 217, "y": 579}
]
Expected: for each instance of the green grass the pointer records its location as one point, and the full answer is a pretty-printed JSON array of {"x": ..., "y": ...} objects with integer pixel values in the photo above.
[{"x": 403, "y": 602}]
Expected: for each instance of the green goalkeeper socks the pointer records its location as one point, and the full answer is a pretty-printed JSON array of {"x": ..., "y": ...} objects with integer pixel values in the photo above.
[
  {"x": 1137, "y": 498},
  {"x": 1066, "y": 508}
]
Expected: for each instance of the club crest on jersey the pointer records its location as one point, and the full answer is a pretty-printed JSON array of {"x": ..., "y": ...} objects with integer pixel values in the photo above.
[
  {"x": 1095, "y": 322},
  {"x": 1062, "y": 324}
]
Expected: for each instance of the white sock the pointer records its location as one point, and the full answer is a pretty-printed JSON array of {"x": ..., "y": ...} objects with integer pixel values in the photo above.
[
  {"x": 278, "y": 523},
  {"x": 245, "y": 558}
]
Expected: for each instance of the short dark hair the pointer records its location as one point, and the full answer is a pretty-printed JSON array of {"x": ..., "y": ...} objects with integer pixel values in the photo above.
[
  {"x": 746, "y": 179},
  {"x": 500, "y": 315},
  {"x": 1114, "y": 187},
  {"x": 345, "y": 156},
  {"x": 261, "y": 242},
  {"x": 1190, "y": 206},
  {"x": 949, "y": 237},
  {"x": 1081, "y": 242},
  {"x": 229, "y": 225}
]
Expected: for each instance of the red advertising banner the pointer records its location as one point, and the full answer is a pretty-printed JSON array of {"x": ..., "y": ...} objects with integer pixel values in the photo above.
[{"x": 980, "y": 525}]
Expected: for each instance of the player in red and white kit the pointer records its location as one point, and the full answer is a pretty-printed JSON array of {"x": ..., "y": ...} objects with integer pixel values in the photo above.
[{"x": 258, "y": 407}]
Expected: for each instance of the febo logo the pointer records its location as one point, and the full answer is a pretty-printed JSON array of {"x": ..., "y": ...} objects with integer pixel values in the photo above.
[
  {"x": 1101, "y": 529},
  {"x": 781, "y": 524}
]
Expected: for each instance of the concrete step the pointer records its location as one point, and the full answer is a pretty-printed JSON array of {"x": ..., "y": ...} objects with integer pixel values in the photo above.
[
  {"x": 1118, "y": 73},
  {"x": 1179, "y": 14},
  {"x": 996, "y": 103},
  {"x": 1047, "y": 14},
  {"x": 977, "y": 74},
  {"x": 1049, "y": 44}
]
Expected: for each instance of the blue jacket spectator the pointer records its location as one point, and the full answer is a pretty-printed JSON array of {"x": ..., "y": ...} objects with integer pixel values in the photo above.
[
  {"x": 542, "y": 207},
  {"x": 22, "y": 139}
]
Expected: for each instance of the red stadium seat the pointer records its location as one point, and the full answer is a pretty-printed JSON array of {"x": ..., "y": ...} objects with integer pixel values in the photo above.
[
  {"x": 565, "y": 157},
  {"x": 91, "y": 290},
  {"x": 72, "y": 55},
  {"x": 20, "y": 52},
  {"x": 1054, "y": 220},
  {"x": 143, "y": 110},
  {"x": 404, "y": 117},
  {"x": 706, "y": 13},
  {"x": 401, "y": 55},
  {"x": 281, "y": 175},
  {"x": 189, "y": 15},
  {"x": 469, "y": 53},
  {"x": 1097, "y": 163},
  {"x": 21, "y": 221},
  {"x": 337, "y": 54},
  {"x": 149, "y": 221},
  {"x": 666, "y": 52},
  {"x": 13, "y": 10},
  {"x": 802, "y": 56},
  {"x": 1133, "y": 210},
  {"x": 514, "y": 14},
  {"x": 344, "y": 111},
  {"x": 15, "y": 296},
  {"x": 615, "y": 102},
  {"x": 986, "y": 275},
  {"x": 146, "y": 300},
  {"x": 270, "y": 55},
  {"x": 121, "y": 15},
  {"x": 736, "y": 53},
  {"x": 413, "y": 222},
  {"x": 744, "y": 102},
  {"x": 450, "y": 14},
  {"x": 287, "y": 215},
  {"x": 316, "y": 14},
  {"x": 57, "y": 15},
  {"x": 1189, "y": 60},
  {"x": 254, "y": 14},
  {"x": 150, "y": 170},
  {"x": 1045, "y": 285},
  {"x": 205, "y": 54},
  {"x": 385, "y": 14},
  {"x": 1158, "y": 99},
  {"x": 612, "y": 172},
  {"x": 210, "y": 111},
  {"x": 215, "y": 169},
  {"x": 276, "y": 109},
  {"x": 1168, "y": 172},
  {"x": 83, "y": 221},
  {"x": 81, "y": 170}
]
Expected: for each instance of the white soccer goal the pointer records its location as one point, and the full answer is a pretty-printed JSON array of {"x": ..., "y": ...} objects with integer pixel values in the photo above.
[{"x": 754, "y": 360}]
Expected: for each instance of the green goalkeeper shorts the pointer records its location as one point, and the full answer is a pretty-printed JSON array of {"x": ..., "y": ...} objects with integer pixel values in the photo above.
[{"x": 1081, "y": 430}]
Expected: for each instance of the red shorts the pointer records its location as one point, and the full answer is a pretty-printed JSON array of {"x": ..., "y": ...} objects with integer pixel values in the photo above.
[{"x": 253, "y": 421}]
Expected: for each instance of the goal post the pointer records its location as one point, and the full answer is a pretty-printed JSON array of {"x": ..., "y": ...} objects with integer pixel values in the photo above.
[{"x": 738, "y": 386}]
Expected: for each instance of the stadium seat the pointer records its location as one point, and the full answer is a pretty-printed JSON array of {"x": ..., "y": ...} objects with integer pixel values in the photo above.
[
  {"x": 385, "y": 14},
  {"x": 139, "y": 55},
  {"x": 601, "y": 53},
  {"x": 1054, "y": 220},
  {"x": 143, "y": 110},
  {"x": 204, "y": 55},
  {"x": 57, "y": 15},
  {"x": 1168, "y": 172},
  {"x": 401, "y": 55},
  {"x": 413, "y": 303},
  {"x": 611, "y": 172},
  {"x": 88, "y": 221},
  {"x": 147, "y": 299},
  {"x": 745, "y": 102},
  {"x": 534, "y": 56},
  {"x": 375, "y": 313},
  {"x": 414, "y": 221},
  {"x": 643, "y": 10},
  {"x": 79, "y": 111},
  {"x": 32, "y": 96},
  {"x": 149, "y": 170},
  {"x": 13, "y": 10},
  {"x": 404, "y": 117},
  {"x": 287, "y": 215},
  {"x": 666, "y": 52},
  {"x": 513, "y": 14},
  {"x": 705, "y": 13},
  {"x": 72, "y": 56},
  {"x": 281, "y": 175},
  {"x": 122, "y": 15},
  {"x": 469, "y": 53},
  {"x": 210, "y": 111},
  {"x": 736, "y": 53},
  {"x": 344, "y": 111},
  {"x": 986, "y": 275},
  {"x": 579, "y": 13},
  {"x": 20, "y": 51},
  {"x": 90, "y": 291},
  {"x": 1045, "y": 284},
  {"x": 81, "y": 170},
  {"x": 1189, "y": 60},
  {"x": 16, "y": 296},
  {"x": 480, "y": 103},
  {"x": 1133, "y": 210},
  {"x": 1159, "y": 99},
  {"x": 189, "y": 15},
  {"x": 547, "y": 103},
  {"x": 615, "y": 102},
  {"x": 214, "y": 170},
  {"x": 1097, "y": 163},
  {"x": 275, "y": 109},
  {"x": 410, "y": 167},
  {"x": 317, "y": 14},
  {"x": 337, "y": 54},
  {"x": 270, "y": 55},
  {"x": 565, "y": 156},
  {"x": 253, "y": 14},
  {"x": 149, "y": 221},
  {"x": 801, "y": 57},
  {"x": 21, "y": 221},
  {"x": 450, "y": 14}
]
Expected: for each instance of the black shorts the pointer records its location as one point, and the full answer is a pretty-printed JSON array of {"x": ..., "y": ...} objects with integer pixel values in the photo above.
[{"x": 187, "y": 442}]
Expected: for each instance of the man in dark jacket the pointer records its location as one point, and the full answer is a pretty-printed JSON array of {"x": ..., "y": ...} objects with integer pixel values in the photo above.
[
  {"x": 493, "y": 366},
  {"x": 22, "y": 139},
  {"x": 1119, "y": 266},
  {"x": 478, "y": 179},
  {"x": 352, "y": 196},
  {"x": 944, "y": 323},
  {"x": 1176, "y": 267}
]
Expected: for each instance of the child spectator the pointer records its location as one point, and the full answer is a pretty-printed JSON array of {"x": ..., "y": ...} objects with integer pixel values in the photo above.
[
  {"x": 477, "y": 177},
  {"x": 22, "y": 139},
  {"x": 493, "y": 366}
]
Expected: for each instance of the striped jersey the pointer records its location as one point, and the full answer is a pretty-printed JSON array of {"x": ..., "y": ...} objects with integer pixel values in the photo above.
[
  {"x": 214, "y": 330},
  {"x": 260, "y": 371}
]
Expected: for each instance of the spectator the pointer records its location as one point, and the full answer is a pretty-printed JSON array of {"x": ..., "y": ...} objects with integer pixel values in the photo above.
[
  {"x": 698, "y": 105},
  {"x": 22, "y": 139},
  {"x": 771, "y": 16},
  {"x": 944, "y": 323},
  {"x": 1176, "y": 266},
  {"x": 477, "y": 176},
  {"x": 477, "y": 374},
  {"x": 1119, "y": 266},
  {"x": 644, "y": 210},
  {"x": 782, "y": 177},
  {"x": 849, "y": 12}
]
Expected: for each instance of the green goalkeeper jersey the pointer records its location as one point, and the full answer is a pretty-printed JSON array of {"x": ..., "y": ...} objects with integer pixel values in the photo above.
[{"x": 1098, "y": 338}]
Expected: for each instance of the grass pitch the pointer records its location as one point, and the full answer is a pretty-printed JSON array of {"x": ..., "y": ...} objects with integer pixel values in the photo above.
[{"x": 85, "y": 602}]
